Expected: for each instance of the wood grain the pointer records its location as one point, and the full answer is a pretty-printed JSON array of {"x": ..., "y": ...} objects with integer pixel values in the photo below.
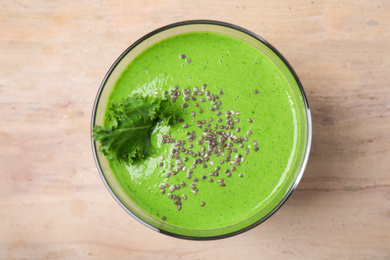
[{"x": 53, "y": 57}]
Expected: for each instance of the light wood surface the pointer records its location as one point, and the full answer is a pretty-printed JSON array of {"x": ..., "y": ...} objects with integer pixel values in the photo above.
[{"x": 53, "y": 56}]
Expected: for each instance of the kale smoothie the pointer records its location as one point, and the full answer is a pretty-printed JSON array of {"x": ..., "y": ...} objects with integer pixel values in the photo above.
[{"x": 234, "y": 141}]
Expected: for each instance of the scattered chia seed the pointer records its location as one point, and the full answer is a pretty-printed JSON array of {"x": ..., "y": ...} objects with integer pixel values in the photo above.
[
  {"x": 202, "y": 204},
  {"x": 256, "y": 149},
  {"x": 255, "y": 143},
  {"x": 188, "y": 60},
  {"x": 249, "y": 132},
  {"x": 250, "y": 120},
  {"x": 164, "y": 218},
  {"x": 182, "y": 56},
  {"x": 185, "y": 125},
  {"x": 185, "y": 105},
  {"x": 256, "y": 91}
]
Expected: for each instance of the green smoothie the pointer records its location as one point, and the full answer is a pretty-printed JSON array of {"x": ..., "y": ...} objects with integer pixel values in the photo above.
[{"x": 235, "y": 144}]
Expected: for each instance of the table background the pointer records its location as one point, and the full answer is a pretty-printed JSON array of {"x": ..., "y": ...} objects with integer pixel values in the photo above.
[{"x": 53, "y": 56}]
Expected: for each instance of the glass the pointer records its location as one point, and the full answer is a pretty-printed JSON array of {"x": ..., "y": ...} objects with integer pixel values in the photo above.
[{"x": 202, "y": 26}]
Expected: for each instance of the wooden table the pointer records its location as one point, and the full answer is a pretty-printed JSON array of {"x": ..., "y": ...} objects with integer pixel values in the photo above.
[{"x": 53, "y": 56}]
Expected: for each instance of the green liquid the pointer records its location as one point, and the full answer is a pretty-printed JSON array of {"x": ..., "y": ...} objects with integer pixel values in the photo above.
[{"x": 237, "y": 68}]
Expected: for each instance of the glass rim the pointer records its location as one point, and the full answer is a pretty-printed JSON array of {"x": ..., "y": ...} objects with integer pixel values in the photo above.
[{"x": 284, "y": 61}]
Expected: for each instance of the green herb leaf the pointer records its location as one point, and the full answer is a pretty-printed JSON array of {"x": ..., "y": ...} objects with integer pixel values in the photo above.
[{"x": 133, "y": 121}]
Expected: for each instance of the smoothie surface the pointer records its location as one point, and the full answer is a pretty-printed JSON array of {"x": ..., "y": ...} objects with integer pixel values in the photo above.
[{"x": 261, "y": 104}]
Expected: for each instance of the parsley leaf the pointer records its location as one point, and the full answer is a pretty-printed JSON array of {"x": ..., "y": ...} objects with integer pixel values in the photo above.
[{"x": 133, "y": 120}]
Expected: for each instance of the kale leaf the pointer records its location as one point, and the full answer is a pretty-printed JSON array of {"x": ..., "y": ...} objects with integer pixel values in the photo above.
[{"x": 133, "y": 120}]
